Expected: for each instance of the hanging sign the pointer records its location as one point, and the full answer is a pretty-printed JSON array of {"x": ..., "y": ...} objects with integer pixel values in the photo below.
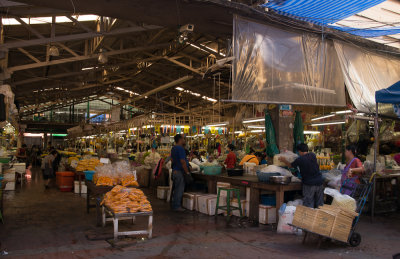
[{"x": 285, "y": 107}]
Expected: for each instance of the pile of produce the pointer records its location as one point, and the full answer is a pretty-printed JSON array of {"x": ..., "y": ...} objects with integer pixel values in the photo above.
[
  {"x": 126, "y": 200},
  {"x": 88, "y": 164},
  {"x": 114, "y": 174},
  {"x": 72, "y": 158}
]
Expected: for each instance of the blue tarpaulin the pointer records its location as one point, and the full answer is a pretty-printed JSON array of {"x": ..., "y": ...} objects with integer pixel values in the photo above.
[
  {"x": 328, "y": 12},
  {"x": 369, "y": 33},
  {"x": 322, "y": 12},
  {"x": 389, "y": 95}
]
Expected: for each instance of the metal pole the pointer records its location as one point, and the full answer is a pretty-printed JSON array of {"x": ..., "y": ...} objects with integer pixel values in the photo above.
[{"x": 376, "y": 136}]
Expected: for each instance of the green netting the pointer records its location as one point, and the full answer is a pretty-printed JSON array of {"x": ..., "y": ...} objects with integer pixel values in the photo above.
[
  {"x": 298, "y": 131},
  {"x": 272, "y": 148}
]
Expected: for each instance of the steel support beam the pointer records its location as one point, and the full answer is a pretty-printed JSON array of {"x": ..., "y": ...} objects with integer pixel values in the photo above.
[
  {"x": 79, "y": 36},
  {"x": 164, "y": 87},
  {"x": 81, "y": 58}
]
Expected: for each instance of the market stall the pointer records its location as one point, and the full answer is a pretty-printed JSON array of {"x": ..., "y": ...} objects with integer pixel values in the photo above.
[{"x": 390, "y": 95}]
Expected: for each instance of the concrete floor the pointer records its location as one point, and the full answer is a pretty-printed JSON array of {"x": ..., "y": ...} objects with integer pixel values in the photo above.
[{"x": 43, "y": 223}]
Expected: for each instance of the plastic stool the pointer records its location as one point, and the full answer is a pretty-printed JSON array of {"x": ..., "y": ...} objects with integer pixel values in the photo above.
[{"x": 228, "y": 208}]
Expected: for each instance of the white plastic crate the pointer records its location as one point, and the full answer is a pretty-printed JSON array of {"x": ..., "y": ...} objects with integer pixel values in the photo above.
[
  {"x": 20, "y": 167},
  {"x": 162, "y": 192},
  {"x": 10, "y": 186},
  {"x": 83, "y": 187}
]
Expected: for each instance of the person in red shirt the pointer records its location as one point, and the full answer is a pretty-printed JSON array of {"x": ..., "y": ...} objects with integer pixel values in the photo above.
[
  {"x": 354, "y": 167},
  {"x": 230, "y": 160}
]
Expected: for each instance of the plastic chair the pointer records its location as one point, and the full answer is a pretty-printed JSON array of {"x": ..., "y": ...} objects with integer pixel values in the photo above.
[{"x": 228, "y": 208}]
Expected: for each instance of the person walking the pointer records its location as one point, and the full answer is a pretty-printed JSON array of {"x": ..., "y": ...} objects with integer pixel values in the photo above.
[
  {"x": 311, "y": 177},
  {"x": 179, "y": 168},
  {"x": 47, "y": 168}
]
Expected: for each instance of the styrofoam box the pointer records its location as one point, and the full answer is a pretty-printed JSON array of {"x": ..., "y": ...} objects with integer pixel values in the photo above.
[
  {"x": 83, "y": 187},
  {"x": 223, "y": 185},
  {"x": 188, "y": 200},
  {"x": 10, "y": 186},
  {"x": 9, "y": 177},
  {"x": 235, "y": 203},
  {"x": 162, "y": 192},
  {"x": 20, "y": 167},
  {"x": 206, "y": 204},
  {"x": 236, "y": 213},
  {"x": 266, "y": 214}
]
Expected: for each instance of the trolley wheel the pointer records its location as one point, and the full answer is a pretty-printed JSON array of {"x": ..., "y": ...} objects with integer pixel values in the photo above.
[{"x": 355, "y": 239}]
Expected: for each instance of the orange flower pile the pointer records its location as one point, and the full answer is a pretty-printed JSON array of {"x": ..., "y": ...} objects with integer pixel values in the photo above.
[
  {"x": 129, "y": 180},
  {"x": 126, "y": 200}
]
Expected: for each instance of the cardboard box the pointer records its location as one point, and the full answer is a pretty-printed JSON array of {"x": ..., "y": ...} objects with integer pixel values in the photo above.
[
  {"x": 304, "y": 217},
  {"x": 341, "y": 227},
  {"x": 223, "y": 185},
  {"x": 343, "y": 222},
  {"x": 266, "y": 214},
  {"x": 323, "y": 222},
  {"x": 207, "y": 203},
  {"x": 162, "y": 192}
]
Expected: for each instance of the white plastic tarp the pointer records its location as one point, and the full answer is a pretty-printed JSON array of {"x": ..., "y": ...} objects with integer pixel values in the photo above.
[
  {"x": 365, "y": 73},
  {"x": 276, "y": 66}
]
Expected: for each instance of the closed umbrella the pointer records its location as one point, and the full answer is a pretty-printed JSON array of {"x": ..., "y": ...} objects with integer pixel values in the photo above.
[
  {"x": 298, "y": 131},
  {"x": 272, "y": 148}
]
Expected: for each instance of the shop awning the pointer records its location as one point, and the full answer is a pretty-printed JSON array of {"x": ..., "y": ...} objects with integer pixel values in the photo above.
[{"x": 389, "y": 95}]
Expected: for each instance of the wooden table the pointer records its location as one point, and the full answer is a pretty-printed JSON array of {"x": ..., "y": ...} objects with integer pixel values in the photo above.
[
  {"x": 255, "y": 186},
  {"x": 96, "y": 192}
]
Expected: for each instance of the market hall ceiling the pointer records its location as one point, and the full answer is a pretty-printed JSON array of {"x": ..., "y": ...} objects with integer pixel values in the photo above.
[{"x": 146, "y": 65}]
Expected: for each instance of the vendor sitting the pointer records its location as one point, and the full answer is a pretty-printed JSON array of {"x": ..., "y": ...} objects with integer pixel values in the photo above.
[
  {"x": 230, "y": 160},
  {"x": 250, "y": 158},
  {"x": 261, "y": 158},
  {"x": 313, "y": 189}
]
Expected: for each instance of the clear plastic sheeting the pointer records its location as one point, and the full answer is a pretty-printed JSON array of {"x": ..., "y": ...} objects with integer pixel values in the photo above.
[
  {"x": 365, "y": 73},
  {"x": 276, "y": 66}
]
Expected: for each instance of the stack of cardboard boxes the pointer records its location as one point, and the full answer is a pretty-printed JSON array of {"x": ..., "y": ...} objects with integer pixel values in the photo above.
[{"x": 328, "y": 220}]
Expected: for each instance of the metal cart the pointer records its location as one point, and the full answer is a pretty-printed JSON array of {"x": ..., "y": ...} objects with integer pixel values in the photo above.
[{"x": 360, "y": 194}]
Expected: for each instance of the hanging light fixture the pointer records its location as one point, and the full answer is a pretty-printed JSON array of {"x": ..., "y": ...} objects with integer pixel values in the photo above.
[
  {"x": 53, "y": 51},
  {"x": 102, "y": 57}
]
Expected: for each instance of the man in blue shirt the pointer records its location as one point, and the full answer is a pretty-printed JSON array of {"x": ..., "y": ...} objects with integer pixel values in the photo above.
[
  {"x": 179, "y": 168},
  {"x": 311, "y": 177}
]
